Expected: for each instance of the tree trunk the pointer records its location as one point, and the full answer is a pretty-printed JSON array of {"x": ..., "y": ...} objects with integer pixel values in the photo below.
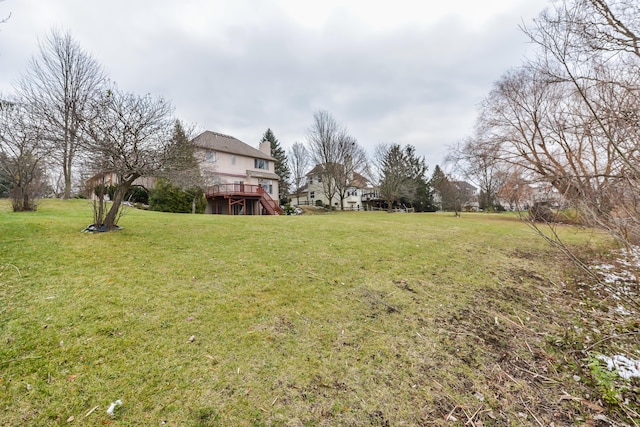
[
  {"x": 67, "y": 184},
  {"x": 111, "y": 219}
]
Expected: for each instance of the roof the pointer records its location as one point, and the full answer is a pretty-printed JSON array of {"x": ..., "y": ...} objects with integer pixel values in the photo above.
[
  {"x": 357, "y": 181},
  {"x": 228, "y": 144},
  {"x": 465, "y": 186},
  {"x": 262, "y": 174}
]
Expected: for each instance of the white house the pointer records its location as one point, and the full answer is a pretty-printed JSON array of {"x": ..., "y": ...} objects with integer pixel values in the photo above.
[{"x": 312, "y": 193}]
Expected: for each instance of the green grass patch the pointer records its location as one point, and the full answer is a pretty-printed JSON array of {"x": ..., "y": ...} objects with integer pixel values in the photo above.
[{"x": 340, "y": 319}]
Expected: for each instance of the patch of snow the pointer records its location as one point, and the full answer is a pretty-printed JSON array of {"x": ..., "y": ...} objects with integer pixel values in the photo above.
[
  {"x": 622, "y": 273},
  {"x": 621, "y": 310},
  {"x": 626, "y": 368}
]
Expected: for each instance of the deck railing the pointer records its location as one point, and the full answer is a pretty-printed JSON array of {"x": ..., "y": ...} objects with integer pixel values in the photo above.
[
  {"x": 234, "y": 189},
  {"x": 245, "y": 190}
]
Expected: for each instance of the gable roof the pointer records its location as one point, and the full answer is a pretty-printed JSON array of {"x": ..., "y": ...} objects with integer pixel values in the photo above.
[
  {"x": 464, "y": 186},
  {"x": 227, "y": 144},
  {"x": 357, "y": 181}
]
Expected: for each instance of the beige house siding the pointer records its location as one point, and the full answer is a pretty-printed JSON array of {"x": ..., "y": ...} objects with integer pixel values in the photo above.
[
  {"x": 314, "y": 191},
  {"x": 227, "y": 160}
]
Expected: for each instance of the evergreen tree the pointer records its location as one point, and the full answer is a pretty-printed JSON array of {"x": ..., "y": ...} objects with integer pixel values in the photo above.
[
  {"x": 170, "y": 198},
  {"x": 403, "y": 178},
  {"x": 5, "y": 185},
  {"x": 453, "y": 194},
  {"x": 439, "y": 183},
  {"x": 281, "y": 167},
  {"x": 424, "y": 197},
  {"x": 184, "y": 172}
]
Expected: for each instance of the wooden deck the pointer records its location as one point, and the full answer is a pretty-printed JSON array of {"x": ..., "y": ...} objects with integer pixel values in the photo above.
[{"x": 239, "y": 194}]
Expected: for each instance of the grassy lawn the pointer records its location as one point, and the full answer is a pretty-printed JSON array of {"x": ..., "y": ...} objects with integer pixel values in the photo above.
[{"x": 351, "y": 319}]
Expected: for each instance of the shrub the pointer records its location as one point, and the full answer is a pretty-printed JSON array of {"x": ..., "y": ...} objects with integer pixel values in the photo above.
[
  {"x": 541, "y": 212},
  {"x": 169, "y": 198},
  {"x": 137, "y": 194},
  {"x": 288, "y": 209}
]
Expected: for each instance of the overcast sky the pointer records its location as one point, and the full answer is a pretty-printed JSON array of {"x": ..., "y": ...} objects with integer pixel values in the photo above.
[{"x": 403, "y": 71}]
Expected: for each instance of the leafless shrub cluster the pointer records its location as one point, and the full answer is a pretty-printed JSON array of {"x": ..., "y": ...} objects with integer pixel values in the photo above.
[
  {"x": 565, "y": 127},
  {"x": 23, "y": 156}
]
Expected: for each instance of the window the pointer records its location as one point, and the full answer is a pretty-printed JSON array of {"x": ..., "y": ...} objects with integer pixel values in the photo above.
[
  {"x": 319, "y": 178},
  {"x": 310, "y": 181},
  {"x": 266, "y": 184},
  {"x": 233, "y": 159},
  {"x": 312, "y": 194},
  {"x": 210, "y": 156},
  {"x": 261, "y": 164}
]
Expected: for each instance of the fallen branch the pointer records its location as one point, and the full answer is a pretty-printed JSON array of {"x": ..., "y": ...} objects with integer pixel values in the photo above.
[
  {"x": 535, "y": 375},
  {"x": 531, "y": 412},
  {"x": 609, "y": 338},
  {"x": 91, "y": 411}
]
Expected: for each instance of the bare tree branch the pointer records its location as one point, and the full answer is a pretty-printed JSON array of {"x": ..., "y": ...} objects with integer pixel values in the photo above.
[
  {"x": 130, "y": 138},
  {"x": 60, "y": 84}
]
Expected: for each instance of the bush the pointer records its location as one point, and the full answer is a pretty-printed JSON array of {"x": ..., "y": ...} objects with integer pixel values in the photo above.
[
  {"x": 541, "y": 212},
  {"x": 319, "y": 203},
  {"x": 168, "y": 198},
  {"x": 288, "y": 209},
  {"x": 137, "y": 194},
  {"x": 5, "y": 186}
]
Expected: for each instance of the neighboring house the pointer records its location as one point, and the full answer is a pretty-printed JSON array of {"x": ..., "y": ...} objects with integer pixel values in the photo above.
[
  {"x": 300, "y": 196},
  {"x": 312, "y": 193},
  {"x": 467, "y": 195},
  {"x": 110, "y": 178},
  {"x": 239, "y": 179}
]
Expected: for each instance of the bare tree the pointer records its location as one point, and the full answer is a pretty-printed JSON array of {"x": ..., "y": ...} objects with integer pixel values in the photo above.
[
  {"x": 323, "y": 141},
  {"x": 477, "y": 163},
  {"x": 569, "y": 118},
  {"x": 348, "y": 171},
  {"x": 23, "y": 155},
  {"x": 60, "y": 83},
  {"x": 515, "y": 190},
  {"x": 337, "y": 154},
  {"x": 298, "y": 165},
  {"x": 591, "y": 48},
  {"x": 129, "y": 138}
]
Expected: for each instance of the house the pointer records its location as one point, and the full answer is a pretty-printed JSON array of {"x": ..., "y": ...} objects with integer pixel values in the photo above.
[
  {"x": 109, "y": 179},
  {"x": 239, "y": 179},
  {"x": 312, "y": 193}
]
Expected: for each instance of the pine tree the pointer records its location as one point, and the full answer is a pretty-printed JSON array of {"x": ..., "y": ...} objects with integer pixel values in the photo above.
[
  {"x": 281, "y": 167},
  {"x": 439, "y": 183}
]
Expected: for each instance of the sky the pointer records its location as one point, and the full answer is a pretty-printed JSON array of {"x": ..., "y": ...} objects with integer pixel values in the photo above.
[{"x": 403, "y": 71}]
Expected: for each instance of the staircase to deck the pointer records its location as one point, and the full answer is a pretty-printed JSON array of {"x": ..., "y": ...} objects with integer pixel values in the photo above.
[
  {"x": 268, "y": 203},
  {"x": 240, "y": 193}
]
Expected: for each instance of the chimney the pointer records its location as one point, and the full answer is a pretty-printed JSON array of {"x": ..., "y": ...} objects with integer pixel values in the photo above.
[{"x": 265, "y": 147}]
